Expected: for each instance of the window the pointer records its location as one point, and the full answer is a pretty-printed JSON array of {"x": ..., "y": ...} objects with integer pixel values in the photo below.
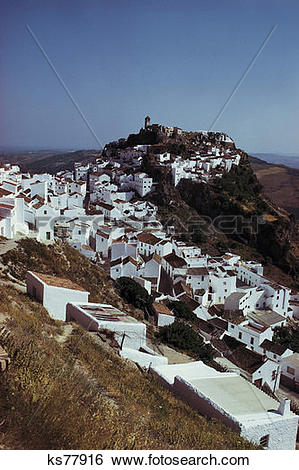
[
  {"x": 251, "y": 340},
  {"x": 232, "y": 327},
  {"x": 48, "y": 235},
  {"x": 290, "y": 370},
  {"x": 274, "y": 355},
  {"x": 264, "y": 441},
  {"x": 273, "y": 375},
  {"x": 45, "y": 212},
  {"x": 240, "y": 335}
]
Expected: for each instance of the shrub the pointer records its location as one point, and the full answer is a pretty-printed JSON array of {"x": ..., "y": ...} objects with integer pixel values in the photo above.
[
  {"x": 287, "y": 336},
  {"x": 135, "y": 294},
  {"x": 185, "y": 338},
  {"x": 181, "y": 310}
]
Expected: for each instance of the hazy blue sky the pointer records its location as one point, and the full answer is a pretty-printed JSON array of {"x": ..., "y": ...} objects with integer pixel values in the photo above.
[{"x": 175, "y": 60}]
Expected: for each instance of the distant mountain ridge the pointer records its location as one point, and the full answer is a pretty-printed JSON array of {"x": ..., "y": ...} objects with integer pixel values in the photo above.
[
  {"x": 281, "y": 159},
  {"x": 49, "y": 161}
]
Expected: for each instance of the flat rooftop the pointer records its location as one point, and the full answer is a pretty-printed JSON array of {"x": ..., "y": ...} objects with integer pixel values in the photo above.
[
  {"x": 237, "y": 396},
  {"x": 266, "y": 317},
  {"x": 189, "y": 371},
  {"x": 106, "y": 312}
]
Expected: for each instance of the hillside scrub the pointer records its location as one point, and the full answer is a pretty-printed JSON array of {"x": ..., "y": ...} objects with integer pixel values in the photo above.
[
  {"x": 78, "y": 395},
  {"x": 184, "y": 338},
  {"x": 134, "y": 294},
  {"x": 181, "y": 310},
  {"x": 64, "y": 261}
]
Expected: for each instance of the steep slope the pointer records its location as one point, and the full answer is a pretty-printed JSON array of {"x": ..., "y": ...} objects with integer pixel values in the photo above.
[
  {"x": 280, "y": 183},
  {"x": 64, "y": 261},
  {"x": 258, "y": 228},
  {"x": 66, "y": 390}
]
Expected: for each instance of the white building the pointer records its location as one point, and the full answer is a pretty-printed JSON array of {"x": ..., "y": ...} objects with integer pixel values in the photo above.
[
  {"x": 234, "y": 401},
  {"x": 290, "y": 372},
  {"x": 54, "y": 292},
  {"x": 129, "y": 333}
]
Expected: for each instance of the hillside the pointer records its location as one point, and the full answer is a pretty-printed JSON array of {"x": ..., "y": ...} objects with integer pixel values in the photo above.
[
  {"x": 237, "y": 194},
  {"x": 61, "y": 376},
  {"x": 280, "y": 183},
  {"x": 47, "y": 161}
]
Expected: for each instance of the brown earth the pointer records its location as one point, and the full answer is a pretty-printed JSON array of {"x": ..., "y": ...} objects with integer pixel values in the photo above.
[{"x": 280, "y": 182}]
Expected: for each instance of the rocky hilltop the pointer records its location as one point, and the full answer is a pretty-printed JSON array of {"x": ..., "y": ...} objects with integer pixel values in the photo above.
[{"x": 267, "y": 232}]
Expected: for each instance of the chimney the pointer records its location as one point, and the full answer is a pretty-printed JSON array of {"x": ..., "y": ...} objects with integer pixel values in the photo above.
[{"x": 284, "y": 407}]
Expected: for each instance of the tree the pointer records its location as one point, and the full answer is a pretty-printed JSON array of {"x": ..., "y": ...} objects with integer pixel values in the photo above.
[
  {"x": 181, "y": 310},
  {"x": 134, "y": 294},
  {"x": 183, "y": 337},
  {"x": 287, "y": 336}
]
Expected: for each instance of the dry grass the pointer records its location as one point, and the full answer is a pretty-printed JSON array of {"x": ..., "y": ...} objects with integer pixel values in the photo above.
[
  {"x": 77, "y": 395},
  {"x": 64, "y": 261}
]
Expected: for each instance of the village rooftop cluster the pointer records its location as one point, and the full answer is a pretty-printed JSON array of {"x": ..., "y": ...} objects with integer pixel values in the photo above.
[{"x": 99, "y": 208}]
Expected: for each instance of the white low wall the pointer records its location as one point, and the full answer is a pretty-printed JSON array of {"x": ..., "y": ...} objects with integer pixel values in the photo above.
[{"x": 143, "y": 359}]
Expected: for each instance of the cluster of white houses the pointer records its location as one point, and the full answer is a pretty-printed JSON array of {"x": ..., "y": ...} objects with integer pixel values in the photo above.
[
  {"x": 226, "y": 396},
  {"x": 99, "y": 210}
]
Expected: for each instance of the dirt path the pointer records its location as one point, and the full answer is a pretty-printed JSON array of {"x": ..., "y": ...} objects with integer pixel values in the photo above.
[
  {"x": 174, "y": 357},
  {"x": 67, "y": 329}
]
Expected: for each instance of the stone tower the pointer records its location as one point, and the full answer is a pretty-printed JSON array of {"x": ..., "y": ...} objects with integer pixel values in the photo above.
[{"x": 147, "y": 122}]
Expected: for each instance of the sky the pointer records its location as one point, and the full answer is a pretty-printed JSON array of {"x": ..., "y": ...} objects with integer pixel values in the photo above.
[{"x": 177, "y": 61}]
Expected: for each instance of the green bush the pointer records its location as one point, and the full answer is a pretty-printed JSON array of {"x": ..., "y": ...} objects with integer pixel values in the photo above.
[
  {"x": 181, "y": 310},
  {"x": 287, "y": 336},
  {"x": 135, "y": 294},
  {"x": 183, "y": 337}
]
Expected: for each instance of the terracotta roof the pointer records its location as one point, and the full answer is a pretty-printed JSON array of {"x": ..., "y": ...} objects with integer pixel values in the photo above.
[
  {"x": 105, "y": 206},
  {"x": 219, "y": 323},
  {"x": 115, "y": 262},
  {"x": 22, "y": 196},
  {"x": 175, "y": 261},
  {"x": 55, "y": 281},
  {"x": 231, "y": 273},
  {"x": 189, "y": 301},
  {"x": 148, "y": 238},
  {"x": 38, "y": 205},
  {"x": 273, "y": 347},
  {"x": 197, "y": 271},
  {"x": 4, "y": 192},
  {"x": 246, "y": 359},
  {"x": 6, "y": 206},
  {"x": 216, "y": 309},
  {"x": 129, "y": 259},
  {"x": 204, "y": 326},
  {"x": 102, "y": 234},
  {"x": 161, "y": 308},
  {"x": 232, "y": 343}
]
